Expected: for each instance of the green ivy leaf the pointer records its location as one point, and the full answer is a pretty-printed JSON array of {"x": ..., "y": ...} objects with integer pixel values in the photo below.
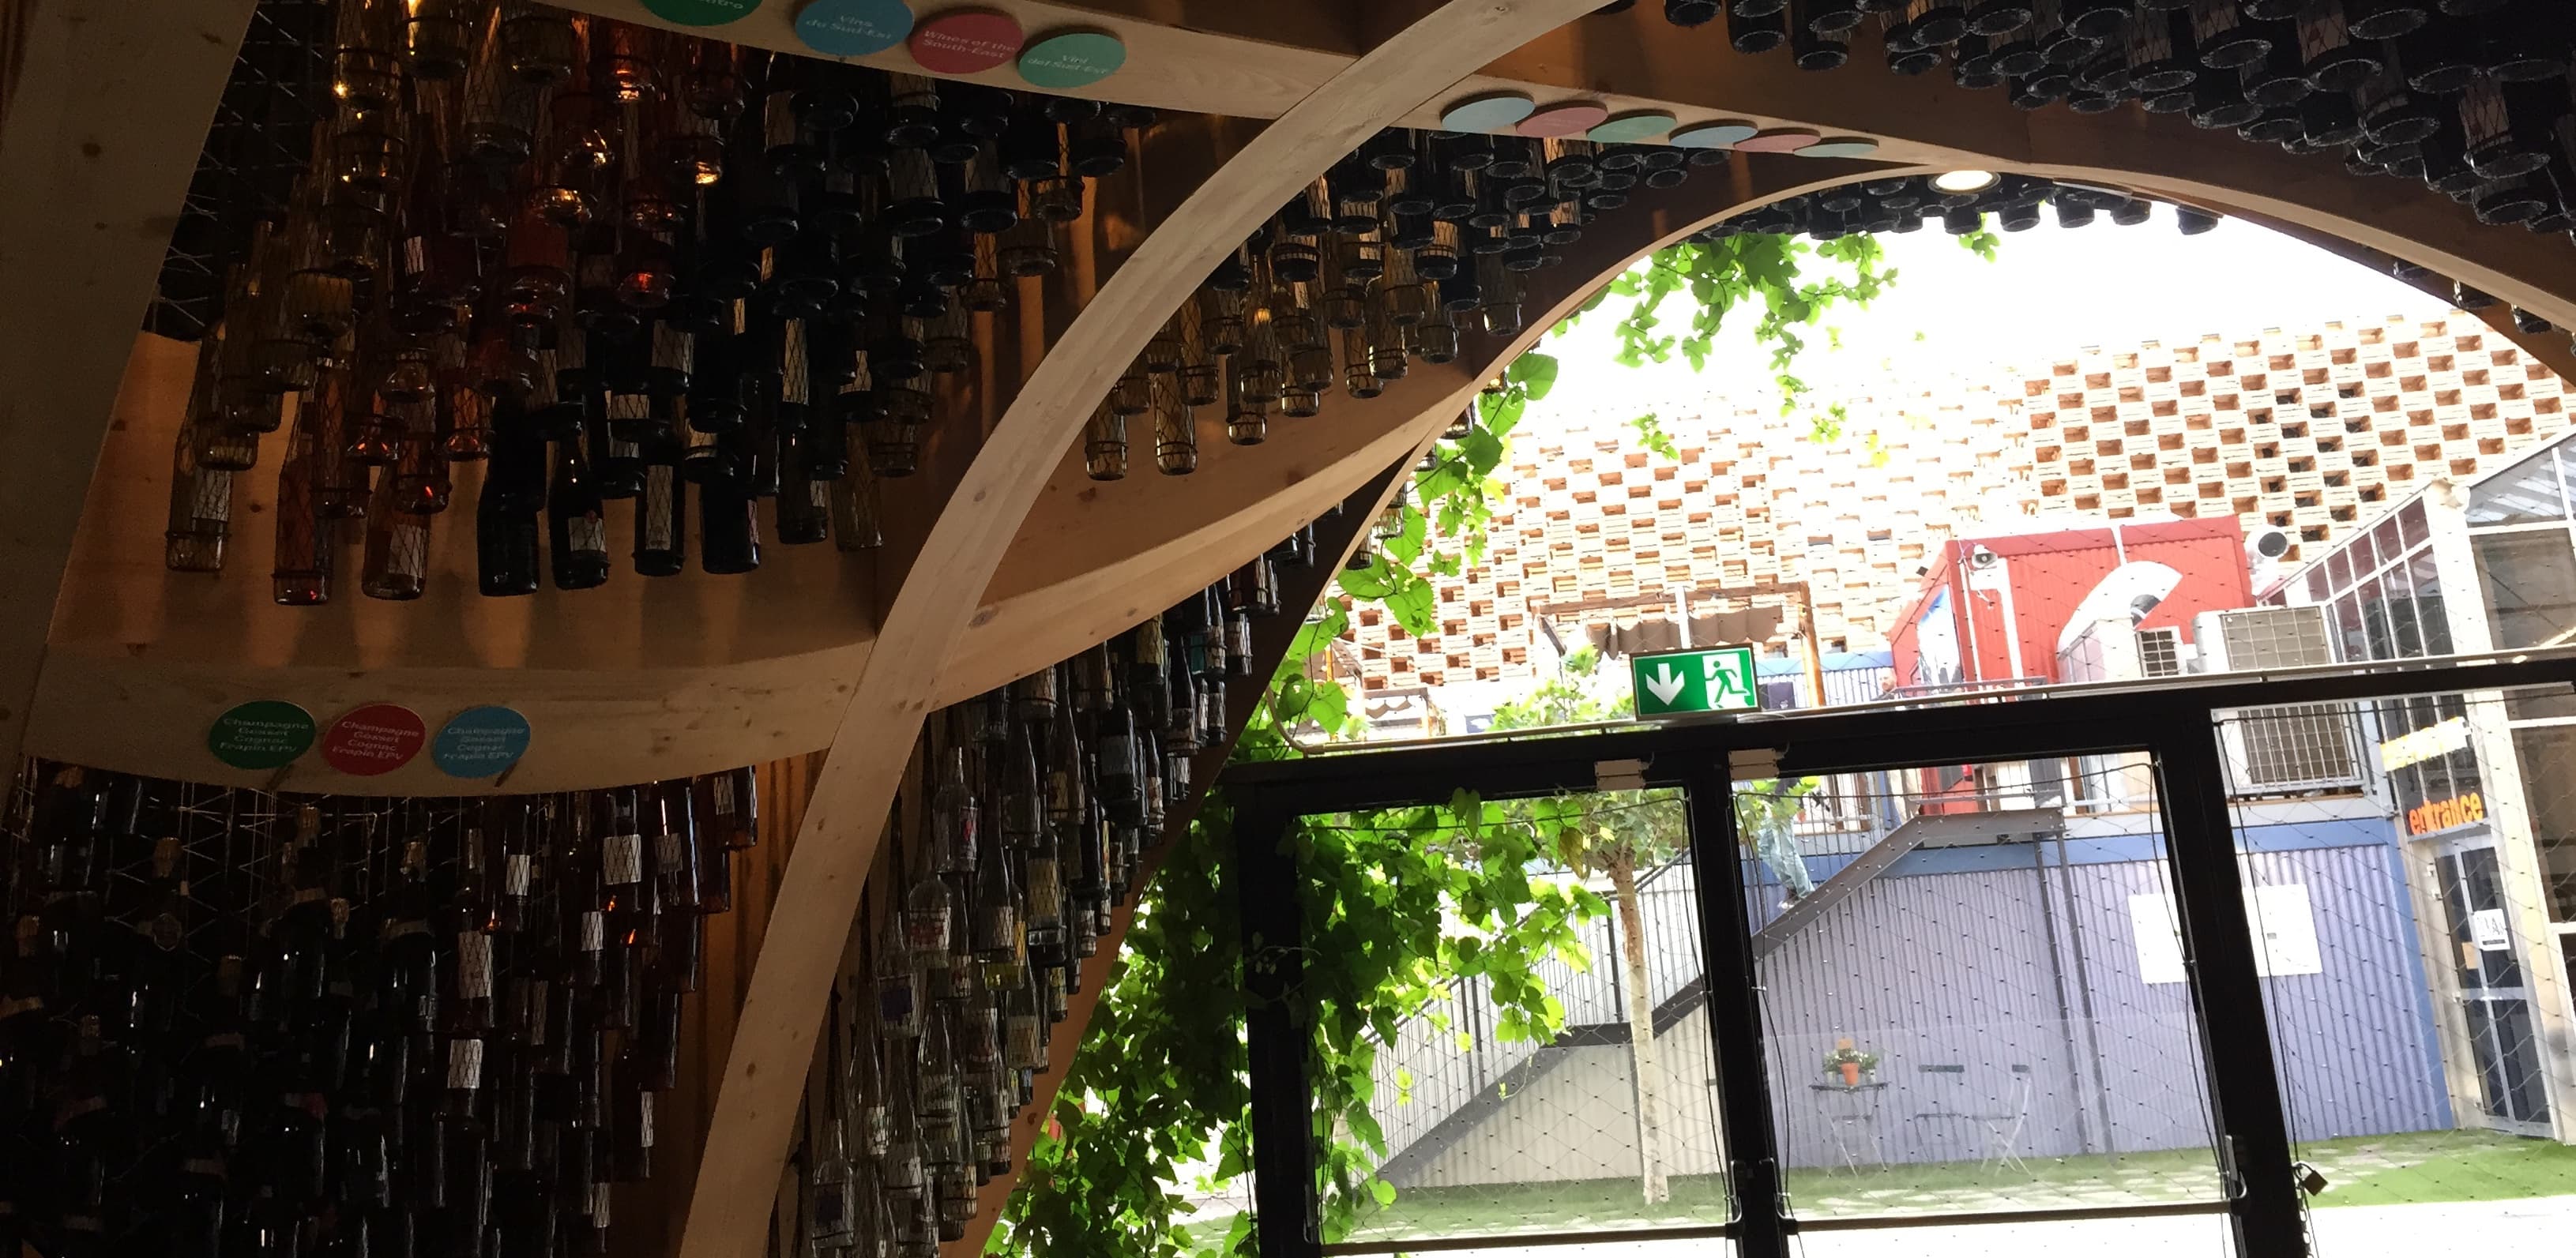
[
  {"x": 1483, "y": 451},
  {"x": 1534, "y": 372},
  {"x": 1415, "y": 607},
  {"x": 1375, "y": 581}
]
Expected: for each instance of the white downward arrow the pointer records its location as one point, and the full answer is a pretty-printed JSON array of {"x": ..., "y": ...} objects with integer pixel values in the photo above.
[{"x": 1665, "y": 683}]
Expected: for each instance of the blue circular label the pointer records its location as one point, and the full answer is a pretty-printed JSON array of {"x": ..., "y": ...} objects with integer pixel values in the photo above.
[
  {"x": 853, "y": 28},
  {"x": 480, "y": 742}
]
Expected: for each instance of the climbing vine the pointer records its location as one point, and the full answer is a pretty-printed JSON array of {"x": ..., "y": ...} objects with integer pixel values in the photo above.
[{"x": 1402, "y": 902}]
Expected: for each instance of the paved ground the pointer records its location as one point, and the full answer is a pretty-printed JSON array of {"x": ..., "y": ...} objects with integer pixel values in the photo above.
[{"x": 2532, "y": 1225}]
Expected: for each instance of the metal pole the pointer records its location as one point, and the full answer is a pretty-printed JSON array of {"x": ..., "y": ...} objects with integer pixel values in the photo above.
[
  {"x": 2084, "y": 988},
  {"x": 1735, "y": 1015},
  {"x": 2066, "y": 1027},
  {"x": 2269, "y": 1220},
  {"x": 1276, "y": 1037},
  {"x": 1806, "y": 596}
]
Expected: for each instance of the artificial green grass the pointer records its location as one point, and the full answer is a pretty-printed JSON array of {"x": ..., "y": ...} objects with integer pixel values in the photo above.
[
  {"x": 2432, "y": 1166},
  {"x": 2409, "y": 1168}
]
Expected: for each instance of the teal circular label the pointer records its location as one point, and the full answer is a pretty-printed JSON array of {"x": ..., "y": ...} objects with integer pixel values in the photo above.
[
  {"x": 261, "y": 734},
  {"x": 1072, "y": 59},
  {"x": 480, "y": 742},
  {"x": 853, "y": 28},
  {"x": 701, "y": 12},
  {"x": 1841, "y": 146},
  {"x": 1630, "y": 128}
]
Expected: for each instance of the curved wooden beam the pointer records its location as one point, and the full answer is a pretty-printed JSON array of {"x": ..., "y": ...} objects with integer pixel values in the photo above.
[
  {"x": 104, "y": 108},
  {"x": 747, "y": 1137}
]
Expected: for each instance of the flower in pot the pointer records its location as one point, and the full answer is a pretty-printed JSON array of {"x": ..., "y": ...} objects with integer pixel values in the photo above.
[{"x": 1849, "y": 1063}]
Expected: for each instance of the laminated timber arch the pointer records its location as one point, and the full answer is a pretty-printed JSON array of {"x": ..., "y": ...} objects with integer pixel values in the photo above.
[{"x": 748, "y": 1135}]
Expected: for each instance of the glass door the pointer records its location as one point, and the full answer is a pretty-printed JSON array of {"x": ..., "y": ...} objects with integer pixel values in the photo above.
[{"x": 2494, "y": 999}]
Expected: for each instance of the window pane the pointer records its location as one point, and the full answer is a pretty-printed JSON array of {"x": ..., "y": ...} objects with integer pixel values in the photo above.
[
  {"x": 2549, "y": 779},
  {"x": 2374, "y": 621},
  {"x": 1958, "y": 1014},
  {"x": 2410, "y": 523},
  {"x": 2519, "y": 494},
  {"x": 2339, "y": 569},
  {"x": 2530, "y": 585},
  {"x": 1501, "y": 1119},
  {"x": 2407, "y": 639},
  {"x": 2384, "y": 540},
  {"x": 2349, "y": 643},
  {"x": 2430, "y": 612},
  {"x": 2416, "y": 1053}
]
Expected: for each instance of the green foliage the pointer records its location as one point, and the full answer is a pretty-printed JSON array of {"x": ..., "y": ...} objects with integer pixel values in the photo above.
[
  {"x": 1402, "y": 902},
  {"x": 1163, "y": 1052},
  {"x": 1765, "y": 274},
  {"x": 1405, "y": 901}
]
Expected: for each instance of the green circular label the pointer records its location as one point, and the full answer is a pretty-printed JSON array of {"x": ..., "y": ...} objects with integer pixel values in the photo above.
[
  {"x": 1714, "y": 135},
  {"x": 1072, "y": 59},
  {"x": 701, "y": 12},
  {"x": 853, "y": 28},
  {"x": 261, "y": 734}
]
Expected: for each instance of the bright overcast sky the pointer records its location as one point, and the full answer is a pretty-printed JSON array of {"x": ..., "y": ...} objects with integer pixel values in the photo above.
[{"x": 2048, "y": 294}]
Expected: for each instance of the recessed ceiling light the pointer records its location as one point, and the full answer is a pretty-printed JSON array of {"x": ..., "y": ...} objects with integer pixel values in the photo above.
[{"x": 1966, "y": 180}]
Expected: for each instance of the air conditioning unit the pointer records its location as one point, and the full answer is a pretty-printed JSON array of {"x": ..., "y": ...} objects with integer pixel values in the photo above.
[
  {"x": 2161, "y": 652},
  {"x": 2295, "y": 750}
]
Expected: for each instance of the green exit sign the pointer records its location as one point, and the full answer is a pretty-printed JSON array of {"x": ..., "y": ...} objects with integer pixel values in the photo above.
[{"x": 1679, "y": 683}]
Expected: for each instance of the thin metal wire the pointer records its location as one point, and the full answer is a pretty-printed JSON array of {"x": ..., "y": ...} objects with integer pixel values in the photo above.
[{"x": 259, "y": 141}]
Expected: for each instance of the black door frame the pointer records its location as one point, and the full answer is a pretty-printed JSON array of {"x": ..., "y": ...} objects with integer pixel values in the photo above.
[{"x": 2174, "y": 722}]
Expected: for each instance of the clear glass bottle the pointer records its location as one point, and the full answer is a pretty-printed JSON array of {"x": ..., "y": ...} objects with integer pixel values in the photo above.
[
  {"x": 1043, "y": 878},
  {"x": 899, "y": 1001},
  {"x": 935, "y": 1071},
  {"x": 304, "y": 553},
  {"x": 397, "y": 549}
]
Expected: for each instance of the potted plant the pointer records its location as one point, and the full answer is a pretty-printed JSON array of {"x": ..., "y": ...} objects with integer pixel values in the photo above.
[{"x": 1849, "y": 1063}]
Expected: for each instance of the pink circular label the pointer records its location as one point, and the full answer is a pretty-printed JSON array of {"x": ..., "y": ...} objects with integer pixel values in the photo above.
[
  {"x": 375, "y": 739},
  {"x": 963, "y": 41},
  {"x": 1571, "y": 118}
]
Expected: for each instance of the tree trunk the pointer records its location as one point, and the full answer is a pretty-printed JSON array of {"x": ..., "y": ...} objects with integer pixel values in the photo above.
[{"x": 1641, "y": 1028}]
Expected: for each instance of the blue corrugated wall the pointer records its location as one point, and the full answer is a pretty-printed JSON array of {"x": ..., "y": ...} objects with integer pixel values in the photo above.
[{"x": 1987, "y": 958}]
